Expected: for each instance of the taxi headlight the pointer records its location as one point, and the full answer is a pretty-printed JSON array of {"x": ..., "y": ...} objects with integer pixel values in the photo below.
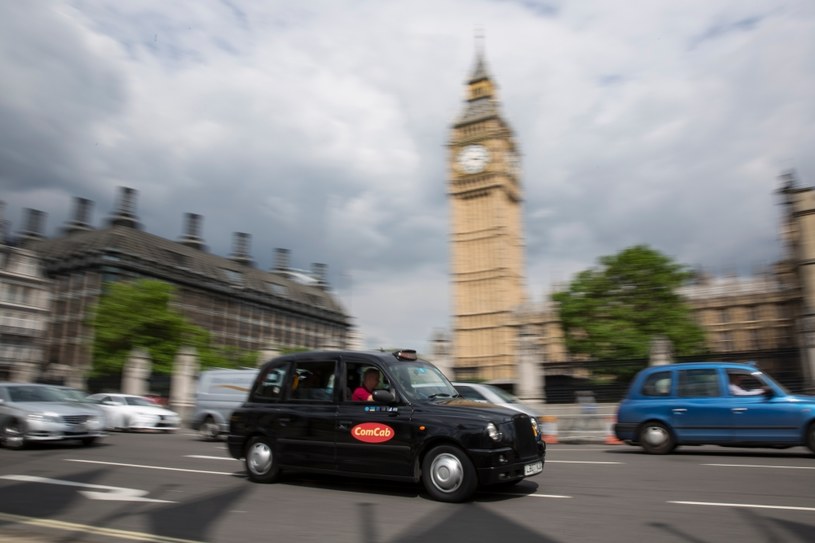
[
  {"x": 493, "y": 432},
  {"x": 535, "y": 429}
]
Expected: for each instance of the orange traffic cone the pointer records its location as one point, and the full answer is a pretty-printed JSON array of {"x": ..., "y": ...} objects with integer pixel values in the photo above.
[
  {"x": 611, "y": 437},
  {"x": 549, "y": 429}
]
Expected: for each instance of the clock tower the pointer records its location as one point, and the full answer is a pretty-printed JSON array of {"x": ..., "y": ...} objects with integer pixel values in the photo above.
[{"x": 487, "y": 251}]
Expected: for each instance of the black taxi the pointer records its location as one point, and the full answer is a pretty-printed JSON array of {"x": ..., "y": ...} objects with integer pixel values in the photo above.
[{"x": 300, "y": 415}]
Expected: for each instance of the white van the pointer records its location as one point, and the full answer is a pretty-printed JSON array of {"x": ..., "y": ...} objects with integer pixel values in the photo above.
[{"x": 219, "y": 393}]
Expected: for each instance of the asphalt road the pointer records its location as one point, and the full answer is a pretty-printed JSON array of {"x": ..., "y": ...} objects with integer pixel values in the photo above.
[{"x": 173, "y": 487}]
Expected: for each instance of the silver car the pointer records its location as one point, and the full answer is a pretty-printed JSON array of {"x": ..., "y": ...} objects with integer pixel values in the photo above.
[
  {"x": 481, "y": 392},
  {"x": 33, "y": 412}
]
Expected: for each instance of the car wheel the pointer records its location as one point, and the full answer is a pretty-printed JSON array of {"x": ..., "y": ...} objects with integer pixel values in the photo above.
[
  {"x": 261, "y": 460},
  {"x": 125, "y": 425},
  {"x": 12, "y": 436},
  {"x": 448, "y": 474},
  {"x": 656, "y": 438},
  {"x": 88, "y": 441},
  {"x": 209, "y": 430},
  {"x": 811, "y": 436}
]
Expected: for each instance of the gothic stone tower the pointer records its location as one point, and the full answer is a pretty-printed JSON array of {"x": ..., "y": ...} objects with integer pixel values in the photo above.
[{"x": 487, "y": 269}]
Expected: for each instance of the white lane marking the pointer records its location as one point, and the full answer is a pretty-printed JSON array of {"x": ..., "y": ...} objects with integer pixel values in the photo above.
[
  {"x": 94, "y": 530},
  {"x": 770, "y": 466},
  {"x": 149, "y": 467},
  {"x": 533, "y": 495},
  {"x": 748, "y": 505},
  {"x": 578, "y": 462},
  {"x": 208, "y": 457},
  {"x": 110, "y": 493}
]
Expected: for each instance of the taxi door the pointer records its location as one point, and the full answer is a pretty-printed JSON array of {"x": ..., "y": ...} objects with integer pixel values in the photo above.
[
  {"x": 306, "y": 416},
  {"x": 372, "y": 438}
]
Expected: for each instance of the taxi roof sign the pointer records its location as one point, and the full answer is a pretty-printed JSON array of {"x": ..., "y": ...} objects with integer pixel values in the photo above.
[{"x": 406, "y": 354}]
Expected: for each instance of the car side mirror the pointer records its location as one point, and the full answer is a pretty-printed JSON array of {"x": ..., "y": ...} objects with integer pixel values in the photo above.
[
  {"x": 108, "y": 402},
  {"x": 384, "y": 396},
  {"x": 768, "y": 392}
]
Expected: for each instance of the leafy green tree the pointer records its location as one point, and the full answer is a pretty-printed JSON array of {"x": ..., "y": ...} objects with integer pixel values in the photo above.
[
  {"x": 614, "y": 311},
  {"x": 140, "y": 314}
]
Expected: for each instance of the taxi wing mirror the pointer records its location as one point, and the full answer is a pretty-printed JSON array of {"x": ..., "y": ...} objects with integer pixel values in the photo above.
[{"x": 384, "y": 396}]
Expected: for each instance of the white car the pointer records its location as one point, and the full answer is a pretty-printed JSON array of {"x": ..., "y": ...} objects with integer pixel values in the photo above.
[
  {"x": 128, "y": 412},
  {"x": 495, "y": 395}
]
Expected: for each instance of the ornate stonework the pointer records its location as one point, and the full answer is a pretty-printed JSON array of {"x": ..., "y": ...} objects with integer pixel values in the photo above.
[{"x": 487, "y": 267}]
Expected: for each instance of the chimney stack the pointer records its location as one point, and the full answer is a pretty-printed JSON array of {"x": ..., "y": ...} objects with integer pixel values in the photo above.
[
  {"x": 34, "y": 226},
  {"x": 126, "y": 213},
  {"x": 281, "y": 259},
  {"x": 240, "y": 250},
  {"x": 4, "y": 225},
  {"x": 319, "y": 272},
  {"x": 82, "y": 213},
  {"x": 192, "y": 232}
]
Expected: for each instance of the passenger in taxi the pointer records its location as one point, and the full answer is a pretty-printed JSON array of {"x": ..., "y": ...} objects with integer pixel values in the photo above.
[{"x": 365, "y": 392}]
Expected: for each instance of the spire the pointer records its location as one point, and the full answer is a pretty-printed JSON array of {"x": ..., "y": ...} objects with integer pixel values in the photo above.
[
  {"x": 482, "y": 100},
  {"x": 480, "y": 71}
]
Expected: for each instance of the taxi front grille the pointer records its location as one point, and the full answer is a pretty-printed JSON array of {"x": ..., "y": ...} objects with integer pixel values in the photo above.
[{"x": 524, "y": 437}]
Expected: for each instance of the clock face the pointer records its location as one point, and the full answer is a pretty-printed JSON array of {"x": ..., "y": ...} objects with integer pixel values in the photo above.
[{"x": 473, "y": 159}]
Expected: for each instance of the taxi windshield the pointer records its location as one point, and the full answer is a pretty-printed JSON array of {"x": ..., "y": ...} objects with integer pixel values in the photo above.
[{"x": 422, "y": 381}]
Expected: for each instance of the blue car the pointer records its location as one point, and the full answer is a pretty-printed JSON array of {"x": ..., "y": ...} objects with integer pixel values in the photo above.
[{"x": 716, "y": 403}]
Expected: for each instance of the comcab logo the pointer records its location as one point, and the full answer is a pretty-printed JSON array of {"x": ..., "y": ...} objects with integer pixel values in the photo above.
[{"x": 372, "y": 432}]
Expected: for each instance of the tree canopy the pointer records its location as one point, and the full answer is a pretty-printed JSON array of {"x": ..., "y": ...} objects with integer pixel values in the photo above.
[
  {"x": 139, "y": 314},
  {"x": 614, "y": 311}
]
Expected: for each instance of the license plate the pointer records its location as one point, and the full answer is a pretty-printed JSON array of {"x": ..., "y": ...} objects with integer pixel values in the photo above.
[{"x": 532, "y": 469}]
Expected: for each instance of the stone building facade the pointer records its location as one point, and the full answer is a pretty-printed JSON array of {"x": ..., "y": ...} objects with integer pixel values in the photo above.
[
  {"x": 242, "y": 306},
  {"x": 25, "y": 301}
]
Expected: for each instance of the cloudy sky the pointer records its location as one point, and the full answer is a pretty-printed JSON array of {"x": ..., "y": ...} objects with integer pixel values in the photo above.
[{"x": 321, "y": 126}]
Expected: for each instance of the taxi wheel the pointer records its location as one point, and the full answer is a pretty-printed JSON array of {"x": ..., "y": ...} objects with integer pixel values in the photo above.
[
  {"x": 811, "y": 436},
  {"x": 88, "y": 441},
  {"x": 448, "y": 474},
  {"x": 656, "y": 438},
  {"x": 261, "y": 460}
]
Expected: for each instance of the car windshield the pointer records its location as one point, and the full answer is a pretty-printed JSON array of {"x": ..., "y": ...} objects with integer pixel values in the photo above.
[
  {"x": 761, "y": 376},
  {"x": 24, "y": 393},
  {"x": 505, "y": 396},
  {"x": 422, "y": 381},
  {"x": 73, "y": 395},
  {"x": 137, "y": 400}
]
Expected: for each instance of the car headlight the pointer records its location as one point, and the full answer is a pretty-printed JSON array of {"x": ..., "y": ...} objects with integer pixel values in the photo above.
[
  {"x": 44, "y": 417},
  {"x": 534, "y": 422},
  {"x": 493, "y": 432}
]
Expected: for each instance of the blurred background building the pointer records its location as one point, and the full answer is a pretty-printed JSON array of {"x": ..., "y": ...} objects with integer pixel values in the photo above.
[{"x": 242, "y": 306}]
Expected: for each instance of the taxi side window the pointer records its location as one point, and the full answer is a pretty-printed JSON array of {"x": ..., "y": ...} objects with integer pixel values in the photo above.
[
  {"x": 269, "y": 385},
  {"x": 699, "y": 383},
  {"x": 312, "y": 380},
  {"x": 657, "y": 384},
  {"x": 354, "y": 376}
]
